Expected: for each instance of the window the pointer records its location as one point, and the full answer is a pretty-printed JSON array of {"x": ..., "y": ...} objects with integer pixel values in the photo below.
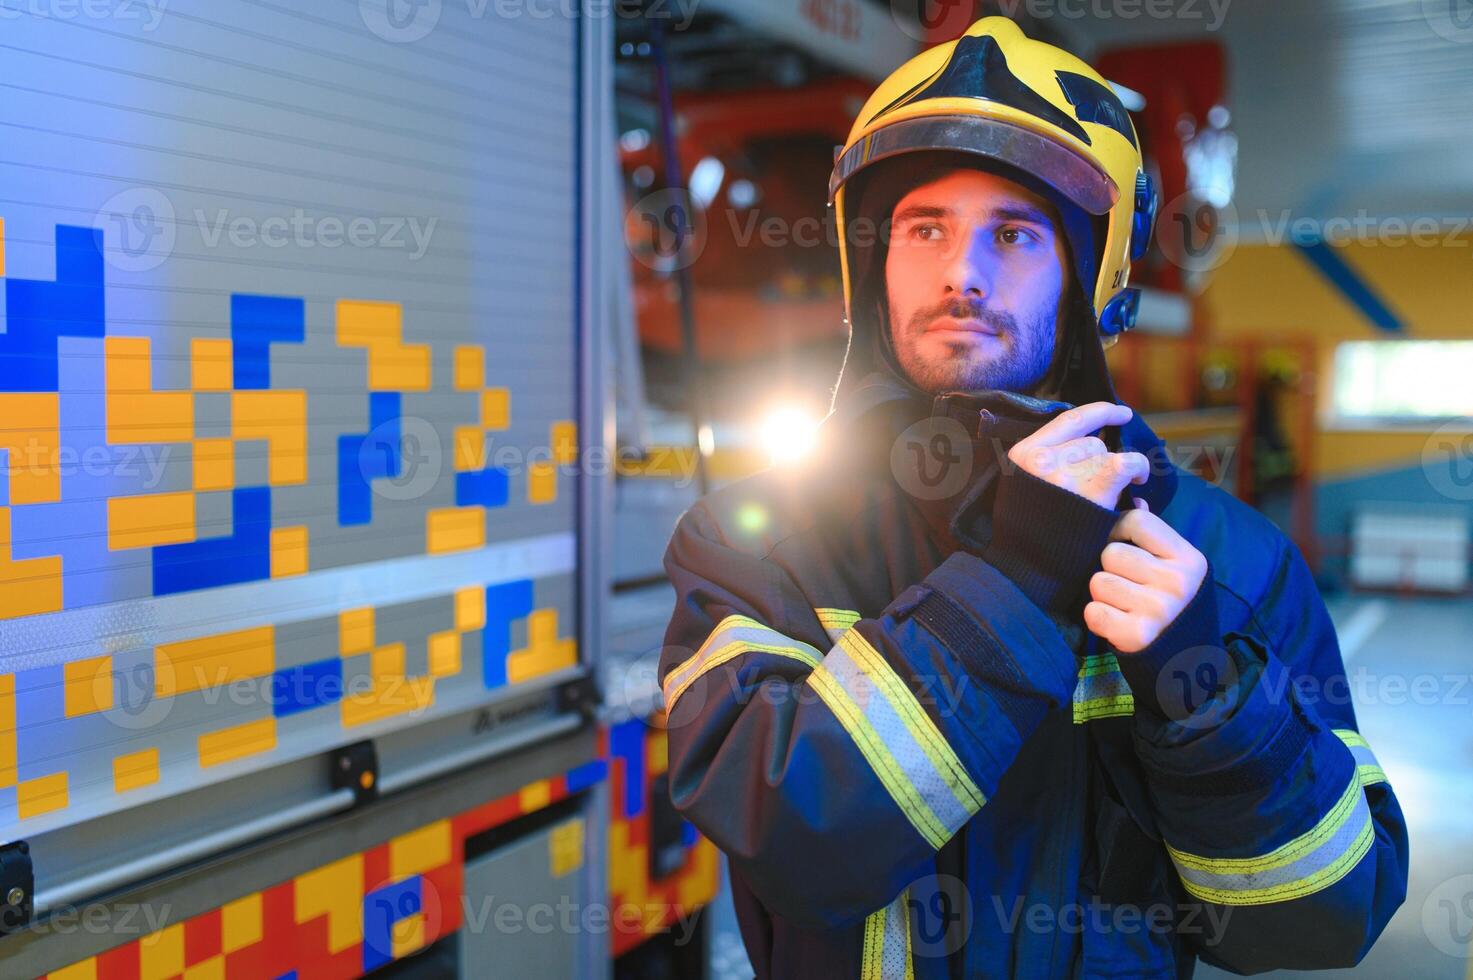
[{"x": 1403, "y": 381}]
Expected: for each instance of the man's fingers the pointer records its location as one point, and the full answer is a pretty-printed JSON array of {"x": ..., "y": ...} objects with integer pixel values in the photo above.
[
  {"x": 1084, "y": 447},
  {"x": 1084, "y": 457},
  {"x": 1114, "y": 472},
  {"x": 1075, "y": 456},
  {"x": 1122, "y": 593},
  {"x": 1123, "y": 631},
  {"x": 1114, "y": 625},
  {"x": 1133, "y": 467},
  {"x": 1079, "y": 421},
  {"x": 1099, "y": 615},
  {"x": 1135, "y": 564},
  {"x": 1147, "y": 530}
]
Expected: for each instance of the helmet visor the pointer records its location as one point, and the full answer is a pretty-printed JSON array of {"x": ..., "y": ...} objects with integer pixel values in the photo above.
[{"x": 1071, "y": 174}]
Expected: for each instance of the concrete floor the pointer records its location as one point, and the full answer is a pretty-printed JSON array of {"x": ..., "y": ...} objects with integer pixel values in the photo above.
[{"x": 1422, "y": 731}]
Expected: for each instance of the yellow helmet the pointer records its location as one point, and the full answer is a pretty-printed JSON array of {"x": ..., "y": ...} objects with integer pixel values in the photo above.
[{"x": 995, "y": 93}]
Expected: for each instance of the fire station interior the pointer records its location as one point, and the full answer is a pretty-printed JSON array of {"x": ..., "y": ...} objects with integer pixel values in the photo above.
[
  {"x": 357, "y": 363},
  {"x": 1295, "y": 347}
]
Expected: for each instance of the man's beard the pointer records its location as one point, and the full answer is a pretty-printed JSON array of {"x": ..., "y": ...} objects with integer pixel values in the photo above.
[{"x": 1021, "y": 366}]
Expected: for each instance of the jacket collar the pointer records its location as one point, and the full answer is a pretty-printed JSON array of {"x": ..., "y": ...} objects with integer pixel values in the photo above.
[
  {"x": 1160, "y": 486},
  {"x": 870, "y": 422}
]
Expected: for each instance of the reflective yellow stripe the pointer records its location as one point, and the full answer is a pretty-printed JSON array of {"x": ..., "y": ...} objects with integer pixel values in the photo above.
[
  {"x": 1099, "y": 663},
  {"x": 1291, "y": 851},
  {"x": 1366, "y": 766},
  {"x": 1101, "y": 690},
  {"x": 887, "y": 951},
  {"x": 920, "y": 725},
  {"x": 879, "y": 757},
  {"x": 830, "y": 617},
  {"x": 1311, "y": 862},
  {"x": 875, "y": 707},
  {"x": 1296, "y": 888},
  {"x": 1096, "y": 708},
  {"x": 732, "y": 637},
  {"x": 836, "y": 621}
]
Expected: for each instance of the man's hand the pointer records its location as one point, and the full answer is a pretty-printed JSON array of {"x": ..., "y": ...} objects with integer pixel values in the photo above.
[
  {"x": 1065, "y": 453},
  {"x": 1150, "y": 574}
]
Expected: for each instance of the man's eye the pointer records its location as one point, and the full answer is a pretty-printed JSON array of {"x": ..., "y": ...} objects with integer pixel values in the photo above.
[
  {"x": 1012, "y": 235},
  {"x": 928, "y": 232}
]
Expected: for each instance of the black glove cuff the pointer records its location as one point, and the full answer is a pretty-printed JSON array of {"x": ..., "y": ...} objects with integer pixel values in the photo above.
[{"x": 1047, "y": 540}]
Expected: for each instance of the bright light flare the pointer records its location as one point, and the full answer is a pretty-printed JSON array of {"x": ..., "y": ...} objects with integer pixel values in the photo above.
[{"x": 788, "y": 433}]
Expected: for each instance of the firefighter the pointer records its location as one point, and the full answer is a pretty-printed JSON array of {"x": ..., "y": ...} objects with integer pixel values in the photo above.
[{"x": 987, "y": 687}]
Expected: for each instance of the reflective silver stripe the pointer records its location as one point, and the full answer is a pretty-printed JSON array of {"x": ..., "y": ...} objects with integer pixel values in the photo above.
[
  {"x": 879, "y": 757},
  {"x": 1366, "y": 766},
  {"x": 733, "y": 637},
  {"x": 903, "y": 701},
  {"x": 886, "y": 954},
  {"x": 1101, "y": 691},
  {"x": 926, "y": 762},
  {"x": 1309, "y": 863}
]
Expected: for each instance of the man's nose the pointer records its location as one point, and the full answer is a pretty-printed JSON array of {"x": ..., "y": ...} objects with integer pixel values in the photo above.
[{"x": 969, "y": 267}]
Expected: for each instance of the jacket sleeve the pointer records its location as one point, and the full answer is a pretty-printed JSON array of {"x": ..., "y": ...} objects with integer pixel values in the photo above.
[
  {"x": 830, "y": 757},
  {"x": 1274, "y": 811}
]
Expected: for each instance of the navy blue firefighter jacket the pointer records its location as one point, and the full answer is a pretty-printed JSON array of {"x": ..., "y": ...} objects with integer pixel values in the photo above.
[{"x": 884, "y": 709}]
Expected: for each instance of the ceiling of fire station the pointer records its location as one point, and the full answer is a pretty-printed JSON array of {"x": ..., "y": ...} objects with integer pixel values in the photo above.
[{"x": 1340, "y": 106}]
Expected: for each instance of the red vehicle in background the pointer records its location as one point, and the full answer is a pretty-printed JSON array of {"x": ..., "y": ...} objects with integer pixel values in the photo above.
[{"x": 761, "y": 254}]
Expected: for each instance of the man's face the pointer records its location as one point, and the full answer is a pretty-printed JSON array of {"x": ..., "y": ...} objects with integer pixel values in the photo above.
[{"x": 975, "y": 275}]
